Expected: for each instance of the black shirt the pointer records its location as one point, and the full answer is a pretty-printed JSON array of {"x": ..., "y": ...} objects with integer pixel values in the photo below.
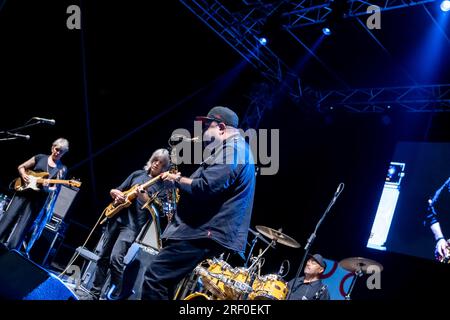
[
  {"x": 440, "y": 201},
  {"x": 218, "y": 204},
  {"x": 135, "y": 217},
  {"x": 315, "y": 290},
  {"x": 41, "y": 165}
]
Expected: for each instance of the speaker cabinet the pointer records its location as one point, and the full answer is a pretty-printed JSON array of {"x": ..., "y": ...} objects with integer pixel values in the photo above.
[{"x": 22, "y": 279}]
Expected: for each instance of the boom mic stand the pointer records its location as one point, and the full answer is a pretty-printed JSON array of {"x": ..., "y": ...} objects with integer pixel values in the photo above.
[
  {"x": 313, "y": 237},
  {"x": 12, "y": 135}
]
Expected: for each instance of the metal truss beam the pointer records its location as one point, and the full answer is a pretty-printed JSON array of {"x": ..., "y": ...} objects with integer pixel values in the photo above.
[
  {"x": 242, "y": 34},
  {"x": 239, "y": 33},
  {"x": 309, "y": 12},
  {"x": 430, "y": 98},
  {"x": 359, "y": 7},
  {"x": 260, "y": 100}
]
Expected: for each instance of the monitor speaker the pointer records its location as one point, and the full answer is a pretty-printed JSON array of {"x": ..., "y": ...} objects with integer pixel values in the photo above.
[{"x": 22, "y": 279}]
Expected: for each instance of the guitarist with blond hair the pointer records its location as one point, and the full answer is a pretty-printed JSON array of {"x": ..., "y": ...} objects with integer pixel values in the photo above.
[
  {"x": 122, "y": 229},
  {"x": 26, "y": 205}
]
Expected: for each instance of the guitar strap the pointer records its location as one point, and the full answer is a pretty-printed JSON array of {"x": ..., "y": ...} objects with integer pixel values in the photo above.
[{"x": 58, "y": 174}]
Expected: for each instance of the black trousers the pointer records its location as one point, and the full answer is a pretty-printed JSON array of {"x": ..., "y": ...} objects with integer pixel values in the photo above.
[
  {"x": 118, "y": 239},
  {"x": 176, "y": 260},
  {"x": 24, "y": 208}
]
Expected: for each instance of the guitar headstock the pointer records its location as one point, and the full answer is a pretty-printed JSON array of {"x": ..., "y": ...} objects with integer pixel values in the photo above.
[{"x": 75, "y": 183}]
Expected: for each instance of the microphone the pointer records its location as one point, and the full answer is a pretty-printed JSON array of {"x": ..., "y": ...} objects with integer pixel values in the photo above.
[
  {"x": 179, "y": 138},
  {"x": 18, "y": 135},
  {"x": 43, "y": 120}
]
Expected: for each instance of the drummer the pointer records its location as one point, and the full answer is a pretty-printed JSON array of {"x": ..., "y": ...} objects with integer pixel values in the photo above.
[{"x": 310, "y": 287}]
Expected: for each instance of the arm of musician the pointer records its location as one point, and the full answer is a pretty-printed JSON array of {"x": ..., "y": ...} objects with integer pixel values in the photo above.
[
  {"x": 218, "y": 177},
  {"x": 117, "y": 195},
  {"x": 441, "y": 244},
  {"x": 177, "y": 181},
  {"x": 30, "y": 163}
]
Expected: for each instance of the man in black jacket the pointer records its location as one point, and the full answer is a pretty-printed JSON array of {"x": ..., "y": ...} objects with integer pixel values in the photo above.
[{"x": 215, "y": 207}]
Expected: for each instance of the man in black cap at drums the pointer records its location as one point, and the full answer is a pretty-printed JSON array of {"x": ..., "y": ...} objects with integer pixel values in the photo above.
[{"x": 310, "y": 287}]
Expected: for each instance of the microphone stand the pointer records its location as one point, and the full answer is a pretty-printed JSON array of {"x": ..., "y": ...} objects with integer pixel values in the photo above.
[
  {"x": 255, "y": 239},
  {"x": 313, "y": 237},
  {"x": 11, "y": 136},
  {"x": 9, "y": 132},
  {"x": 252, "y": 246}
]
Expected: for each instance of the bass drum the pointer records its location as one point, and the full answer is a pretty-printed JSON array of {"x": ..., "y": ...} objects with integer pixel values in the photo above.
[{"x": 197, "y": 296}]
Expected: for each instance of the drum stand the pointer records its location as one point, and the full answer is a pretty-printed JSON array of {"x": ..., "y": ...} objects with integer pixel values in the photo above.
[
  {"x": 250, "y": 269},
  {"x": 257, "y": 236},
  {"x": 358, "y": 274}
]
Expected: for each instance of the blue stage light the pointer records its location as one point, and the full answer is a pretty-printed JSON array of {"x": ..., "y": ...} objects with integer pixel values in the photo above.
[
  {"x": 326, "y": 31},
  {"x": 445, "y": 5},
  {"x": 263, "y": 41}
]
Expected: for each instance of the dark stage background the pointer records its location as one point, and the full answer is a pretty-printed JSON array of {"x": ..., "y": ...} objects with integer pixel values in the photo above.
[{"x": 139, "y": 70}]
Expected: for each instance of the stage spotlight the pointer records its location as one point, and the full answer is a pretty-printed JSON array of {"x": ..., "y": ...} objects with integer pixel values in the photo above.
[
  {"x": 445, "y": 5},
  {"x": 263, "y": 41},
  {"x": 326, "y": 31}
]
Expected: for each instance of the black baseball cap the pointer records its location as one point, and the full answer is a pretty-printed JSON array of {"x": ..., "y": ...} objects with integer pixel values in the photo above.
[
  {"x": 221, "y": 114},
  {"x": 319, "y": 259}
]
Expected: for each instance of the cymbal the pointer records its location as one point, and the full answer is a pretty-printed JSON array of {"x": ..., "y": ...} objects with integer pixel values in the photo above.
[
  {"x": 356, "y": 264},
  {"x": 277, "y": 236}
]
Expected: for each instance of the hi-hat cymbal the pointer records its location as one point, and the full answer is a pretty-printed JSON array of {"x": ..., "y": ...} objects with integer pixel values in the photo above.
[
  {"x": 359, "y": 264},
  {"x": 277, "y": 236}
]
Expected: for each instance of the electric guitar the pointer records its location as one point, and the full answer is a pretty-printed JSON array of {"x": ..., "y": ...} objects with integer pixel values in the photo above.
[
  {"x": 113, "y": 208},
  {"x": 38, "y": 178}
]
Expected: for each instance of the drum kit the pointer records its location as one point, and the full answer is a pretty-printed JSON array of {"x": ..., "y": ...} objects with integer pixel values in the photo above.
[{"x": 221, "y": 281}]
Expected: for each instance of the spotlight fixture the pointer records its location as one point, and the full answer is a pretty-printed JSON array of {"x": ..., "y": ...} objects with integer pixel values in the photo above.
[
  {"x": 445, "y": 5},
  {"x": 263, "y": 41},
  {"x": 326, "y": 31}
]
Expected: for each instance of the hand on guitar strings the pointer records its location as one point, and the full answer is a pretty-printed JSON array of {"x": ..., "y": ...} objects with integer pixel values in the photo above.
[{"x": 117, "y": 195}]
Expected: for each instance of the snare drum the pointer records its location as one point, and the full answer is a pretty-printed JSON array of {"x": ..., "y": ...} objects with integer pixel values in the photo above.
[{"x": 269, "y": 287}]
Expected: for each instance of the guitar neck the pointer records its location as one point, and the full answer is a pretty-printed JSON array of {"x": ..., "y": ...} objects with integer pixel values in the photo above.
[
  {"x": 57, "y": 181},
  {"x": 150, "y": 182}
]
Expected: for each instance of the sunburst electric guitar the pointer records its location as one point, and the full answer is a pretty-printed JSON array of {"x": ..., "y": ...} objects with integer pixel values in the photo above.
[
  {"x": 36, "y": 179},
  {"x": 113, "y": 208}
]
